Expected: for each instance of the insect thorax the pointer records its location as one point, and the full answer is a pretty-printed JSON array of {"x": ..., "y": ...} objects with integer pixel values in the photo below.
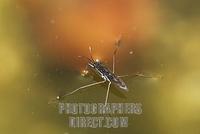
[{"x": 103, "y": 71}]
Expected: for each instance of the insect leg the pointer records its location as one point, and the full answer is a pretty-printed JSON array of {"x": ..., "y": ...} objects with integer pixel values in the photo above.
[
  {"x": 89, "y": 85},
  {"x": 113, "y": 69},
  {"x": 107, "y": 94},
  {"x": 114, "y": 54},
  {"x": 139, "y": 75}
]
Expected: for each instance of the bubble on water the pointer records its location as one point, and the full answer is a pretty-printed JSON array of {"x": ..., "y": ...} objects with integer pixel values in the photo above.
[
  {"x": 131, "y": 52},
  {"x": 28, "y": 89},
  {"x": 57, "y": 97},
  {"x": 52, "y": 21},
  {"x": 84, "y": 72},
  {"x": 56, "y": 37}
]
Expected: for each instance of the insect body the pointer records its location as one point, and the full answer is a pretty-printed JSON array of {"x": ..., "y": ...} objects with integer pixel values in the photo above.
[{"x": 106, "y": 74}]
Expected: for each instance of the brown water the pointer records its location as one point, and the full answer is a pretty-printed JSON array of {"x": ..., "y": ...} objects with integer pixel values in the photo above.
[{"x": 31, "y": 72}]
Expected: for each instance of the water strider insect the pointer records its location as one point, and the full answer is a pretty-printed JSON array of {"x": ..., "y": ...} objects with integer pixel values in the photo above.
[{"x": 105, "y": 73}]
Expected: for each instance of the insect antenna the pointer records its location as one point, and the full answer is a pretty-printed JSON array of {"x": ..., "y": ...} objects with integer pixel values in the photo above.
[
  {"x": 90, "y": 50},
  {"x": 117, "y": 45}
]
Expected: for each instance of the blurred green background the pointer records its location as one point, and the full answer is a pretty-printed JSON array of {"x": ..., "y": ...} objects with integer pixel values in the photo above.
[{"x": 29, "y": 78}]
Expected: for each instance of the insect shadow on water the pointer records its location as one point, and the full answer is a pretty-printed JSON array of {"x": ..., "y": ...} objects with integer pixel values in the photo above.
[{"x": 105, "y": 74}]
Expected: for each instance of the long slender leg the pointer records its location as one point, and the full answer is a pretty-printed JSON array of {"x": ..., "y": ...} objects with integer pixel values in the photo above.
[
  {"x": 114, "y": 54},
  {"x": 139, "y": 75},
  {"x": 107, "y": 94},
  {"x": 113, "y": 63},
  {"x": 89, "y": 85}
]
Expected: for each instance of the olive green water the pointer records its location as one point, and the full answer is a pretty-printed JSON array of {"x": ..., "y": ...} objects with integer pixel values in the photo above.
[{"x": 170, "y": 105}]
